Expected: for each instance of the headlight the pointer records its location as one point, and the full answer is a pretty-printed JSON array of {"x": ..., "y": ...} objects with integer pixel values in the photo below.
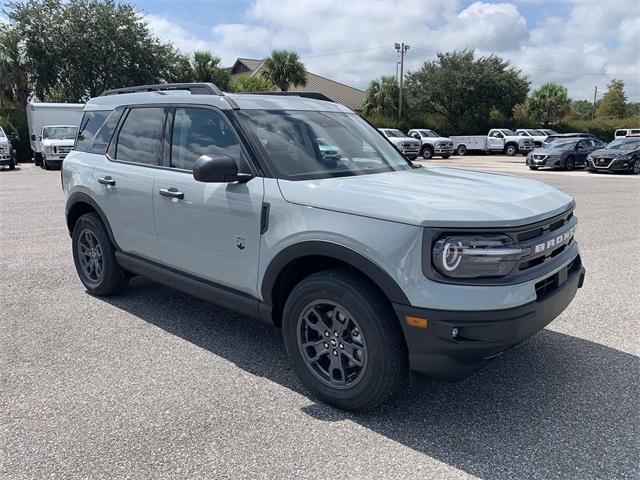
[
  {"x": 48, "y": 149},
  {"x": 590, "y": 158},
  {"x": 624, "y": 157},
  {"x": 473, "y": 256}
]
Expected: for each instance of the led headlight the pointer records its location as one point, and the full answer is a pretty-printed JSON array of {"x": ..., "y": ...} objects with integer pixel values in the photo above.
[{"x": 474, "y": 256}]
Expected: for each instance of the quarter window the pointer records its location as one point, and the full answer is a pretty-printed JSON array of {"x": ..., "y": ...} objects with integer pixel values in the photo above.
[
  {"x": 140, "y": 138},
  {"x": 201, "y": 131},
  {"x": 90, "y": 124}
]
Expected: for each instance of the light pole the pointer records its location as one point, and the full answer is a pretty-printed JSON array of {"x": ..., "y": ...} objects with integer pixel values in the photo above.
[{"x": 402, "y": 49}]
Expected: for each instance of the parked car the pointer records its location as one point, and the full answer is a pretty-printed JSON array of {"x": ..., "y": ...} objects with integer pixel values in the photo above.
[
  {"x": 564, "y": 153},
  {"x": 538, "y": 135},
  {"x": 497, "y": 140},
  {"x": 548, "y": 131},
  {"x": 621, "y": 155},
  {"x": 57, "y": 142},
  {"x": 7, "y": 152},
  {"x": 328, "y": 151},
  {"x": 371, "y": 265},
  {"x": 432, "y": 143},
  {"x": 625, "y": 132},
  {"x": 50, "y": 115},
  {"x": 406, "y": 145},
  {"x": 559, "y": 136}
]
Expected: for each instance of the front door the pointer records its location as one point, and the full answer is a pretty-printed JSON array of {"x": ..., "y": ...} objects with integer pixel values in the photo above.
[
  {"x": 496, "y": 140},
  {"x": 210, "y": 230}
]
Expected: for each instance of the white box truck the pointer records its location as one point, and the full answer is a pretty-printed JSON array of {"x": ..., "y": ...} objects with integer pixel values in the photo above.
[{"x": 52, "y": 130}]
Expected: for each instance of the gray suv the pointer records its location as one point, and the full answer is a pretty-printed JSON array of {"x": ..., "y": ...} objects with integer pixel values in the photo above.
[{"x": 371, "y": 265}]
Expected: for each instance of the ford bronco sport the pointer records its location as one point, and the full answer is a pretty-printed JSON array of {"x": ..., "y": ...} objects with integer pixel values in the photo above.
[{"x": 371, "y": 266}]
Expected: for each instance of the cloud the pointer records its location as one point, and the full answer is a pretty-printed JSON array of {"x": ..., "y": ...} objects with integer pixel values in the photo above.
[{"x": 581, "y": 45}]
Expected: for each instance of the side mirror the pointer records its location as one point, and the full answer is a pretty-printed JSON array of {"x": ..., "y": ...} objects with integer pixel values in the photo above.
[
  {"x": 33, "y": 137},
  {"x": 218, "y": 169}
]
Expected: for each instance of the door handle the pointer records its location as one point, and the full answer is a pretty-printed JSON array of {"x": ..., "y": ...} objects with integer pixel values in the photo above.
[
  {"x": 106, "y": 181},
  {"x": 171, "y": 193}
]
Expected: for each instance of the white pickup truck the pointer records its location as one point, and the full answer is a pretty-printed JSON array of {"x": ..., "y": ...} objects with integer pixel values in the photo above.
[
  {"x": 498, "y": 140},
  {"x": 539, "y": 137},
  {"x": 432, "y": 143}
]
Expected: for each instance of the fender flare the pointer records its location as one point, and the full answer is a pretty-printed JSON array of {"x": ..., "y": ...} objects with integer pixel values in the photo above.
[
  {"x": 374, "y": 272},
  {"x": 81, "y": 197}
]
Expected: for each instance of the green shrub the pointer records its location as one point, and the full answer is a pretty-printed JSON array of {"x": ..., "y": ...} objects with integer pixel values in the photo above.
[{"x": 602, "y": 128}]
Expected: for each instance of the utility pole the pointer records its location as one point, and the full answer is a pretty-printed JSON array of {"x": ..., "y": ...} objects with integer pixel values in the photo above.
[
  {"x": 402, "y": 49},
  {"x": 593, "y": 110}
]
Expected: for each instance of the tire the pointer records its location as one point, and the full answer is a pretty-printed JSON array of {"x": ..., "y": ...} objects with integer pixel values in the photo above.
[
  {"x": 636, "y": 168},
  {"x": 12, "y": 162},
  {"x": 461, "y": 150},
  {"x": 371, "y": 334},
  {"x": 427, "y": 153},
  {"x": 43, "y": 164},
  {"x": 510, "y": 150},
  {"x": 37, "y": 159},
  {"x": 533, "y": 168},
  {"x": 111, "y": 279},
  {"x": 445, "y": 156},
  {"x": 570, "y": 164}
]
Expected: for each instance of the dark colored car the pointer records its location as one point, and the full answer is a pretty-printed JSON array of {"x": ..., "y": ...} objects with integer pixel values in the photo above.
[
  {"x": 559, "y": 136},
  {"x": 564, "y": 153},
  {"x": 621, "y": 155}
]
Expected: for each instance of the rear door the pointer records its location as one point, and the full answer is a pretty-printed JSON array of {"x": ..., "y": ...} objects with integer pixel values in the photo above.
[
  {"x": 210, "y": 230},
  {"x": 123, "y": 180}
]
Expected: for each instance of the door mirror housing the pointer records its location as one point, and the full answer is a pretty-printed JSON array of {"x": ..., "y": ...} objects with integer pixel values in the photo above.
[{"x": 218, "y": 169}]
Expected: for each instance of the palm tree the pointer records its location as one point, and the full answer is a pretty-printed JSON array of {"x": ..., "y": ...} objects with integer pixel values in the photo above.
[
  {"x": 252, "y": 84},
  {"x": 202, "y": 67},
  {"x": 549, "y": 103},
  {"x": 284, "y": 68},
  {"x": 382, "y": 97}
]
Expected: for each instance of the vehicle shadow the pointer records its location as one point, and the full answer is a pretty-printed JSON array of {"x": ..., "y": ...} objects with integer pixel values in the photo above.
[{"x": 556, "y": 406}]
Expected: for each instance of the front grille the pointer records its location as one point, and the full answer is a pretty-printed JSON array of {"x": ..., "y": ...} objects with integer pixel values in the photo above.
[
  {"x": 603, "y": 162},
  {"x": 64, "y": 149}
]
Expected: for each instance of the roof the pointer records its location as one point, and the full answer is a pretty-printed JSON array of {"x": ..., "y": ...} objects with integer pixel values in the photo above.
[
  {"x": 351, "y": 97},
  {"x": 245, "y": 101}
]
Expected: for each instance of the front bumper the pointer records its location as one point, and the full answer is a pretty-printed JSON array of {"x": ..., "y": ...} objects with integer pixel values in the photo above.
[
  {"x": 552, "y": 162},
  {"x": 611, "y": 166},
  {"x": 443, "y": 150},
  {"x": 55, "y": 158},
  {"x": 482, "y": 335},
  {"x": 5, "y": 159}
]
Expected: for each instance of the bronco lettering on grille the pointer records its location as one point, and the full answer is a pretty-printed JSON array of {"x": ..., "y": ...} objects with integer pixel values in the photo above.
[{"x": 556, "y": 241}]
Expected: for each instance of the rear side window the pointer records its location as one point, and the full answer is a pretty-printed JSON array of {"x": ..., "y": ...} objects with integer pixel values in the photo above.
[
  {"x": 103, "y": 137},
  {"x": 201, "y": 131},
  {"x": 140, "y": 137},
  {"x": 90, "y": 124}
]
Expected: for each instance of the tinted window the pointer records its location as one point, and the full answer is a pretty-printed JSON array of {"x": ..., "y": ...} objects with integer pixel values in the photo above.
[
  {"x": 201, "y": 131},
  {"x": 103, "y": 137},
  {"x": 140, "y": 138},
  {"x": 91, "y": 122}
]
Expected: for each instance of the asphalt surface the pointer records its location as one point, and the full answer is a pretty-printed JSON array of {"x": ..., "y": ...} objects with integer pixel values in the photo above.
[{"x": 156, "y": 384}]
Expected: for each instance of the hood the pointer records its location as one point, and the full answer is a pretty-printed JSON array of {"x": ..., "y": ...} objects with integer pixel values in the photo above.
[
  {"x": 4, "y": 141},
  {"x": 402, "y": 139},
  {"x": 433, "y": 196},
  {"x": 549, "y": 151},
  {"x": 67, "y": 142},
  {"x": 610, "y": 152}
]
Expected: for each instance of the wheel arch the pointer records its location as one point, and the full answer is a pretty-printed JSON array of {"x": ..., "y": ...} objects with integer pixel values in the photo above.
[
  {"x": 299, "y": 260},
  {"x": 80, "y": 203}
]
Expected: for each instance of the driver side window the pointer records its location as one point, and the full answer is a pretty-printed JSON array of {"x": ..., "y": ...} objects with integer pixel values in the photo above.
[
  {"x": 201, "y": 131},
  {"x": 497, "y": 134}
]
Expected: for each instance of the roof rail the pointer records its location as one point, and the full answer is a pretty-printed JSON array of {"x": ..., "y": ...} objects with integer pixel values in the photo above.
[
  {"x": 194, "y": 88},
  {"x": 314, "y": 95}
]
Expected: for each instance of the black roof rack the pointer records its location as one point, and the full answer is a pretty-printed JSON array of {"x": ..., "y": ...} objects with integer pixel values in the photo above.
[
  {"x": 314, "y": 95},
  {"x": 194, "y": 88}
]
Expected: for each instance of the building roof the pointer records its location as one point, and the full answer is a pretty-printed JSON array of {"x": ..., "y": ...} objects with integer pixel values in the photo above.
[{"x": 351, "y": 97}]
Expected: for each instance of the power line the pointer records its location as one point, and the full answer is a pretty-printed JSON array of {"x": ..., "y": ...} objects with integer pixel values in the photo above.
[{"x": 346, "y": 52}]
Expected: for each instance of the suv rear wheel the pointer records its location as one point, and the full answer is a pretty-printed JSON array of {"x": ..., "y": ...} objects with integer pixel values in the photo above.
[
  {"x": 94, "y": 257},
  {"x": 344, "y": 341}
]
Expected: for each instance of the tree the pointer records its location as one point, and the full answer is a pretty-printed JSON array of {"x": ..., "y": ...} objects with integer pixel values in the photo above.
[
  {"x": 464, "y": 90},
  {"x": 201, "y": 66},
  {"x": 614, "y": 101},
  {"x": 284, "y": 68},
  {"x": 582, "y": 110},
  {"x": 13, "y": 76},
  {"x": 549, "y": 103},
  {"x": 382, "y": 97},
  {"x": 79, "y": 48},
  {"x": 252, "y": 84}
]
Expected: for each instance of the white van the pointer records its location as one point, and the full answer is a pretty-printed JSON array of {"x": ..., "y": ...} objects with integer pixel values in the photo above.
[{"x": 623, "y": 132}]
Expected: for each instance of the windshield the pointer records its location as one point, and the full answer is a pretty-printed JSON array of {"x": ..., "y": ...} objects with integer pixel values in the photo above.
[
  {"x": 2, "y": 135},
  {"x": 429, "y": 133},
  {"x": 290, "y": 142},
  {"x": 549, "y": 132},
  {"x": 536, "y": 133},
  {"x": 508, "y": 133},
  {"x": 59, "y": 133},
  {"x": 393, "y": 133},
  {"x": 624, "y": 144},
  {"x": 562, "y": 143}
]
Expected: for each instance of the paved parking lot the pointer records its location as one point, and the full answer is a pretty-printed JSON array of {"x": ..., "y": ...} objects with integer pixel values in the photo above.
[{"x": 155, "y": 384}]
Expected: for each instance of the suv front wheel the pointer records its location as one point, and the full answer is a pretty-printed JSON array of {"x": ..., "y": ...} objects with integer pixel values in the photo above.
[
  {"x": 344, "y": 341},
  {"x": 94, "y": 257}
]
